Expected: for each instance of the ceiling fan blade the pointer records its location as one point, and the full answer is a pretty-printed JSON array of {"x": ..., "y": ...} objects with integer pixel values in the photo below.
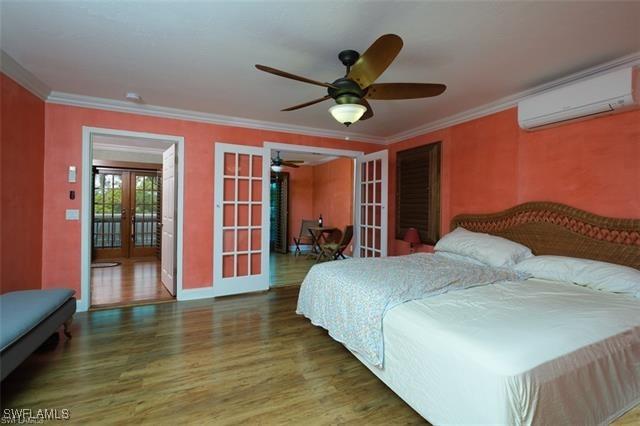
[
  {"x": 375, "y": 60},
  {"x": 293, "y": 76},
  {"x": 369, "y": 112},
  {"x": 306, "y": 104},
  {"x": 290, "y": 164},
  {"x": 295, "y": 161},
  {"x": 404, "y": 90}
]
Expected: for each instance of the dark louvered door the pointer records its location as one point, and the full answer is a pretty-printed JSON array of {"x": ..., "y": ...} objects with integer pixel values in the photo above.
[{"x": 280, "y": 212}]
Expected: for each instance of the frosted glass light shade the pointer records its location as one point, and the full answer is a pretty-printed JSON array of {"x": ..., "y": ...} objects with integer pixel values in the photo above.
[
  {"x": 276, "y": 168},
  {"x": 347, "y": 113}
]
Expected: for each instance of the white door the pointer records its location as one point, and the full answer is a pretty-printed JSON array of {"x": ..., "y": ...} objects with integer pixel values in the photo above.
[
  {"x": 168, "y": 251},
  {"x": 372, "y": 174},
  {"x": 240, "y": 245}
]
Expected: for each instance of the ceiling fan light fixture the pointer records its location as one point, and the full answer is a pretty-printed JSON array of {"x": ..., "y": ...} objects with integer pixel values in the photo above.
[
  {"x": 347, "y": 113},
  {"x": 277, "y": 168}
]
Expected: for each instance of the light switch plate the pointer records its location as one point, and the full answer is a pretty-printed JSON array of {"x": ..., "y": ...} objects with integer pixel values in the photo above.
[
  {"x": 72, "y": 214},
  {"x": 72, "y": 174}
]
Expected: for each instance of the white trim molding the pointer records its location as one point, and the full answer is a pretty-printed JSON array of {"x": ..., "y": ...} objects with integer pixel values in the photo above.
[
  {"x": 334, "y": 152},
  {"x": 196, "y": 293},
  {"x": 20, "y": 74},
  {"x": 85, "y": 212},
  {"x": 203, "y": 117}
]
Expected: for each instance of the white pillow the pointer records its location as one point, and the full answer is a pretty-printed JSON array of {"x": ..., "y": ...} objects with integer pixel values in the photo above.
[
  {"x": 459, "y": 257},
  {"x": 488, "y": 249},
  {"x": 590, "y": 273}
]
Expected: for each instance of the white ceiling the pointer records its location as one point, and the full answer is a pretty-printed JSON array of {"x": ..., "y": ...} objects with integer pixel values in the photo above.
[{"x": 200, "y": 55}]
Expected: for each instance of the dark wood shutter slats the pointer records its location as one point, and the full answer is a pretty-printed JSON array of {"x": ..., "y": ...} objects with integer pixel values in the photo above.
[
  {"x": 418, "y": 192},
  {"x": 280, "y": 213}
]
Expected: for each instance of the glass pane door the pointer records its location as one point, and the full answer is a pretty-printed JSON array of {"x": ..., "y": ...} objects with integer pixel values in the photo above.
[
  {"x": 240, "y": 252},
  {"x": 145, "y": 202},
  {"x": 109, "y": 214},
  {"x": 372, "y": 204}
]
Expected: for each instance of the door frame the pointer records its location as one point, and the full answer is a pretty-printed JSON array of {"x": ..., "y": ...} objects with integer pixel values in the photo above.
[
  {"x": 269, "y": 147},
  {"x": 88, "y": 133}
]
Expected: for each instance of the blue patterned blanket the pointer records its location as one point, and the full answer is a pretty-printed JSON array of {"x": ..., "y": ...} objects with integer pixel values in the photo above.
[{"x": 349, "y": 298}]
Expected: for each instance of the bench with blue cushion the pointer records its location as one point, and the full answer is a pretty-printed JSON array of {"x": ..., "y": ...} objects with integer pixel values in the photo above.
[{"x": 27, "y": 319}]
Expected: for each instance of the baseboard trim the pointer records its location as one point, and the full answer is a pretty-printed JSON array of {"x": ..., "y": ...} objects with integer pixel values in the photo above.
[{"x": 196, "y": 293}]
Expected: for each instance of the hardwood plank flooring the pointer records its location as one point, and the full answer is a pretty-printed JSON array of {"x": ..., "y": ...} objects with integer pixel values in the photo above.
[
  {"x": 135, "y": 280},
  {"x": 243, "y": 359},
  {"x": 287, "y": 269}
]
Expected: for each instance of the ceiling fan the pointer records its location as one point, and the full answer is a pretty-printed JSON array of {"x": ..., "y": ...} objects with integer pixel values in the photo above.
[
  {"x": 277, "y": 164},
  {"x": 351, "y": 92}
]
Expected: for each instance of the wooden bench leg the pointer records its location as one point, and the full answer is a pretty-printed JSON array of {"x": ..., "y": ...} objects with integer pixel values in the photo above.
[{"x": 67, "y": 327}]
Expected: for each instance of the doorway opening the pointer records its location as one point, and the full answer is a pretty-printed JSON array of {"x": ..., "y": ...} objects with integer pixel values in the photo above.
[
  {"x": 242, "y": 260},
  {"x": 132, "y": 220},
  {"x": 311, "y": 212}
]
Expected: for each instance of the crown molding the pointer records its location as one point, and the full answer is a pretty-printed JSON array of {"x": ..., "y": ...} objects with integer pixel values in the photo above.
[
  {"x": 62, "y": 98},
  {"x": 127, "y": 148},
  {"x": 512, "y": 100},
  {"x": 20, "y": 74},
  {"x": 14, "y": 70}
]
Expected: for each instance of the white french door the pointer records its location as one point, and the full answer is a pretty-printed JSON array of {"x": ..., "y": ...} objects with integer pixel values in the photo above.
[
  {"x": 372, "y": 175},
  {"x": 241, "y": 249},
  {"x": 168, "y": 245}
]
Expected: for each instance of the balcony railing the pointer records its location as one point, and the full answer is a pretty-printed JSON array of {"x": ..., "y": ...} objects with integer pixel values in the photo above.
[{"x": 107, "y": 230}]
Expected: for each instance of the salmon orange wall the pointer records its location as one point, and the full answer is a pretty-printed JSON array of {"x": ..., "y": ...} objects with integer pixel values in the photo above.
[
  {"x": 490, "y": 164},
  {"x": 22, "y": 160},
  {"x": 300, "y": 198},
  {"x": 333, "y": 192},
  {"x": 325, "y": 189},
  {"x": 63, "y": 147}
]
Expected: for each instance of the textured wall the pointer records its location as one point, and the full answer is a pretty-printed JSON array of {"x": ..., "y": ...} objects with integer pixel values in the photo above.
[
  {"x": 490, "y": 164},
  {"x": 63, "y": 147},
  {"x": 22, "y": 166}
]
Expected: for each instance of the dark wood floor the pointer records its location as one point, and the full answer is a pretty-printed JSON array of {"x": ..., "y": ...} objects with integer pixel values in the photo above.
[
  {"x": 134, "y": 280},
  {"x": 288, "y": 269},
  {"x": 242, "y": 359}
]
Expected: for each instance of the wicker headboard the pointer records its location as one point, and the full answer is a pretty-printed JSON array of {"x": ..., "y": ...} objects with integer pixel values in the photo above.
[{"x": 557, "y": 229}]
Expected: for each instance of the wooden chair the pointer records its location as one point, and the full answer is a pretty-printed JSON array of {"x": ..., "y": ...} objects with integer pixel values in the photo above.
[
  {"x": 304, "y": 236},
  {"x": 334, "y": 250}
]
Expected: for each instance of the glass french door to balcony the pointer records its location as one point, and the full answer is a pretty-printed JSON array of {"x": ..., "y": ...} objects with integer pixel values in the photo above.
[{"x": 125, "y": 213}]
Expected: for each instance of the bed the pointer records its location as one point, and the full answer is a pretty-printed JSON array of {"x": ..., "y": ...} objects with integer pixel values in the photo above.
[{"x": 516, "y": 350}]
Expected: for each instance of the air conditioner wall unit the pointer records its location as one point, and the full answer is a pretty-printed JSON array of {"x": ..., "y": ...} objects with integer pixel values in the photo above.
[{"x": 612, "y": 92}]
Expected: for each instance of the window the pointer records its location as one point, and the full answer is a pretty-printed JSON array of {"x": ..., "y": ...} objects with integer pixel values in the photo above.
[{"x": 418, "y": 192}]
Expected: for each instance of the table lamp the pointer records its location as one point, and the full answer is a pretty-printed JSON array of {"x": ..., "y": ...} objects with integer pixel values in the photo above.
[{"x": 412, "y": 237}]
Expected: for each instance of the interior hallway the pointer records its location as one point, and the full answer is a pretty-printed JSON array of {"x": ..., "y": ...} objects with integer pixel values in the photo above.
[{"x": 134, "y": 280}]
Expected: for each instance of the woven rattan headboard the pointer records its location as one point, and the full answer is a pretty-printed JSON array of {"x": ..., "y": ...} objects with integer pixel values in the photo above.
[{"x": 552, "y": 228}]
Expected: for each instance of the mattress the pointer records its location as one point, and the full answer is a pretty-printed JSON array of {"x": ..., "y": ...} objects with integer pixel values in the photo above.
[{"x": 528, "y": 352}]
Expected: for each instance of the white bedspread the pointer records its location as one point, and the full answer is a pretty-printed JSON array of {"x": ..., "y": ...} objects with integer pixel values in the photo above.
[
  {"x": 532, "y": 352},
  {"x": 351, "y": 297}
]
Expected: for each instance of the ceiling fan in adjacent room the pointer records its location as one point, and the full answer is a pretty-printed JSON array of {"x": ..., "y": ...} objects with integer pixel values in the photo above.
[
  {"x": 277, "y": 164},
  {"x": 352, "y": 92}
]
